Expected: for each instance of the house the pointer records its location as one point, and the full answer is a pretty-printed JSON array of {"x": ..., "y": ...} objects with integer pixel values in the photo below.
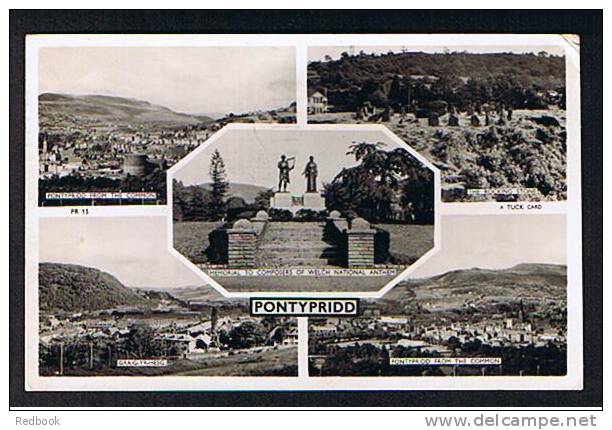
[
  {"x": 317, "y": 102},
  {"x": 291, "y": 336},
  {"x": 283, "y": 335},
  {"x": 325, "y": 330},
  {"x": 390, "y": 321}
]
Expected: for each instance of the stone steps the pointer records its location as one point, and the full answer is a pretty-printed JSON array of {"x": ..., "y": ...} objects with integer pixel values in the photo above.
[
  {"x": 291, "y": 237},
  {"x": 297, "y": 247},
  {"x": 301, "y": 253},
  {"x": 295, "y": 244},
  {"x": 312, "y": 225},
  {"x": 286, "y": 261},
  {"x": 295, "y": 231}
]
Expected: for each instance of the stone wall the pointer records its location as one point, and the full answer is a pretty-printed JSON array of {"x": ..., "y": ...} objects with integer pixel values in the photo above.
[
  {"x": 360, "y": 244},
  {"x": 242, "y": 240},
  {"x": 335, "y": 232},
  {"x": 259, "y": 222},
  {"x": 241, "y": 244},
  {"x": 356, "y": 241}
]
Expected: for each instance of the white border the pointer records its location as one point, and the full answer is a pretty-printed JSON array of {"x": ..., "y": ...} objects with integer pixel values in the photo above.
[{"x": 572, "y": 207}]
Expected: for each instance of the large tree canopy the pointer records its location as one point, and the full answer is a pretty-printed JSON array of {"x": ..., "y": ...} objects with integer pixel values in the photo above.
[{"x": 385, "y": 186}]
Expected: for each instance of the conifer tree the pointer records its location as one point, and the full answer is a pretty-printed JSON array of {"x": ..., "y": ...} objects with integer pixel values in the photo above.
[{"x": 219, "y": 186}]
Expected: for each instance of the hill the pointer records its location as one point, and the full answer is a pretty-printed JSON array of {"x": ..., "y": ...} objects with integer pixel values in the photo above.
[
  {"x": 207, "y": 298},
  {"x": 193, "y": 202},
  {"x": 73, "y": 110},
  {"x": 74, "y": 288},
  {"x": 203, "y": 294},
  {"x": 247, "y": 192},
  {"x": 530, "y": 282},
  {"x": 545, "y": 71},
  {"x": 423, "y": 77}
]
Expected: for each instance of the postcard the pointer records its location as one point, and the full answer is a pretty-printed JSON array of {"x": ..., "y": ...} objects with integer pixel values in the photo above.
[{"x": 303, "y": 212}]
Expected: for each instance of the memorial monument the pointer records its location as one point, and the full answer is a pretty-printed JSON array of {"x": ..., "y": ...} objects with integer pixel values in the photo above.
[
  {"x": 311, "y": 199},
  {"x": 310, "y": 171},
  {"x": 284, "y": 167}
]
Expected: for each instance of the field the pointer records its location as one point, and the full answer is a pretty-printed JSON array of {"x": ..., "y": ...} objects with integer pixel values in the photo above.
[
  {"x": 408, "y": 242},
  {"x": 273, "y": 362},
  {"x": 191, "y": 239},
  {"x": 268, "y": 362}
]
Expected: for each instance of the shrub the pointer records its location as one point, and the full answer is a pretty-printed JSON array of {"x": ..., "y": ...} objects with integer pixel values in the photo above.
[
  {"x": 310, "y": 215},
  {"x": 277, "y": 214}
]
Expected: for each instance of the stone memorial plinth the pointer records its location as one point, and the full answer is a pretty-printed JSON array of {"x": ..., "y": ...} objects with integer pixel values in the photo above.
[
  {"x": 295, "y": 202},
  {"x": 314, "y": 201},
  {"x": 282, "y": 201}
]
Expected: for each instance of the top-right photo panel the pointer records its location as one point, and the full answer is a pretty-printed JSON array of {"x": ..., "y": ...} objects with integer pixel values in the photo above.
[{"x": 492, "y": 119}]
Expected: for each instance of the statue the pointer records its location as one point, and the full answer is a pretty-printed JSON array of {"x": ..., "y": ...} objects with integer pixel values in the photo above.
[
  {"x": 284, "y": 167},
  {"x": 310, "y": 171}
]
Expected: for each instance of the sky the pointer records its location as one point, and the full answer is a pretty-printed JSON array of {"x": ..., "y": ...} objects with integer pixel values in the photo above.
[
  {"x": 195, "y": 80},
  {"x": 251, "y": 155},
  {"x": 318, "y": 53},
  {"x": 133, "y": 249},
  {"x": 497, "y": 242}
]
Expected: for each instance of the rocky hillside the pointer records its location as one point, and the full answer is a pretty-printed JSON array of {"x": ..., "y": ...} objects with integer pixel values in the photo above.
[{"x": 73, "y": 288}]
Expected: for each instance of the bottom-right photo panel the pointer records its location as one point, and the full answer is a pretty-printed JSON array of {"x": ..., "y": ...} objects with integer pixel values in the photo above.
[{"x": 491, "y": 302}]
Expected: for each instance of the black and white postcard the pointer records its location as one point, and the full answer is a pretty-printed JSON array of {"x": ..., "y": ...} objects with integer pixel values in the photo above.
[{"x": 292, "y": 212}]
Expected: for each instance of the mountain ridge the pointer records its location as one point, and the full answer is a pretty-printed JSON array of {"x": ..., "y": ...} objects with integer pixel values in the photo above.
[
  {"x": 94, "y": 108},
  {"x": 532, "y": 280},
  {"x": 74, "y": 288}
]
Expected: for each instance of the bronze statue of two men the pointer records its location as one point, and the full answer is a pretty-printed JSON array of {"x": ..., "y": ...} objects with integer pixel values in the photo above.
[{"x": 287, "y": 164}]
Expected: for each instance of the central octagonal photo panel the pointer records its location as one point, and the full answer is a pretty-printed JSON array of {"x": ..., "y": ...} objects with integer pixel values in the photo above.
[{"x": 301, "y": 210}]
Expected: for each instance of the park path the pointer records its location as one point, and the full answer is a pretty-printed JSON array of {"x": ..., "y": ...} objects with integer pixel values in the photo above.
[{"x": 295, "y": 244}]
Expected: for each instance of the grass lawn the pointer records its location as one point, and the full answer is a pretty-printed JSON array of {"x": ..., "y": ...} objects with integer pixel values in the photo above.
[
  {"x": 269, "y": 362},
  {"x": 306, "y": 284},
  {"x": 191, "y": 238},
  {"x": 408, "y": 242},
  {"x": 273, "y": 362}
]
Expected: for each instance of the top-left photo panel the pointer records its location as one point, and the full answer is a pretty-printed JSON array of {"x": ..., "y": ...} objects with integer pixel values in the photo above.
[{"x": 112, "y": 120}]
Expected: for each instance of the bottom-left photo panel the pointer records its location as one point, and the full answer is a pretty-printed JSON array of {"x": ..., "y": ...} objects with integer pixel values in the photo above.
[{"x": 112, "y": 301}]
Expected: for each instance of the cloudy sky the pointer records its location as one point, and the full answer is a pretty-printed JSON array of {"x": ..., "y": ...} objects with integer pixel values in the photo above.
[
  {"x": 318, "y": 53},
  {"x": 133, "y": 249},
  {"x": 197, "y": 80},
  {"x": 251, "y": 155}
]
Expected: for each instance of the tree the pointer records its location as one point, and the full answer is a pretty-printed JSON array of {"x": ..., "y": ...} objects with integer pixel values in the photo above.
[
  {"x": 219, "y": 185},
  {"x": 141, "y": 342},
  {"x": 418, "y": 194},
  {"x": 378, "y": 98},
  {"x": 214, "y": 317},
  {"x": 380, "y": 180},
  {"x": 245, "y": 335},
  {"x": 262, "y": 200}
]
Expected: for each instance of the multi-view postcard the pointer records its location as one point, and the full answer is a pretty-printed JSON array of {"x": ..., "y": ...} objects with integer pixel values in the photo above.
[{"x": 289, "y": 212}]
